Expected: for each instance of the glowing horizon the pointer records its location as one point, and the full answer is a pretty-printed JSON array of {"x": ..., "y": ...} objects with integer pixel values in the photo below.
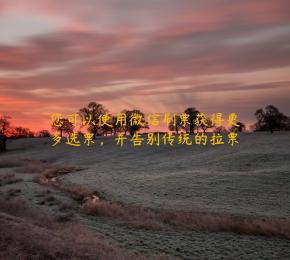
[{"x": 157, "y": 56}]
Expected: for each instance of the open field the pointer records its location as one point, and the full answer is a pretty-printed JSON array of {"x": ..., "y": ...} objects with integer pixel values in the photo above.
[{"x": 185, "y": 202}]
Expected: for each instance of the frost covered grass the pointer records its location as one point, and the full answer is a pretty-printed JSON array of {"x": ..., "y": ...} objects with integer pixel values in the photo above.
[
  {"x": 145, "y": 218},
  {"x": 148, "y": 218},
  {"x": 7, "y": 179},
  {"x": 28, "y": 234},
  {"x": 236, "y": 195},
  {"x": 252, "y": 178}
]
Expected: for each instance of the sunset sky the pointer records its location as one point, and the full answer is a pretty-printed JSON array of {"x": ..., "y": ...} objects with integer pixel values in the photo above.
[{"x": 155, "y": 55}]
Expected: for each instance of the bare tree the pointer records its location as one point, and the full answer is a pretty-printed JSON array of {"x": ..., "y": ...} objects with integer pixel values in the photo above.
[
  {"x": 270, "y": 119},
  {"x": 135, "y": 120},
  {"x": 192, "y": 112},
  {"x": 5, "y": 127},
  {"x": 175, "y": 124},
  {"x": 220, "y": 129},
  {"x": 63, "y": 125},
  {"x": 91, "y": 113},
  {"x": 116, "y": 128},
  {"x": 240, "y": 127},
  {"x": 21, "y": 132},
  {"x": 43, "y": 133},
  {"x": 208, "y": 124},
  {"x": 287, "y": 127},
  {"x": 125, "y": 125}
]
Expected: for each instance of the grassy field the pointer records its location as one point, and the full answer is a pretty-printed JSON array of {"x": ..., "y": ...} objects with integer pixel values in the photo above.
[{"x": 185, "y": 202}]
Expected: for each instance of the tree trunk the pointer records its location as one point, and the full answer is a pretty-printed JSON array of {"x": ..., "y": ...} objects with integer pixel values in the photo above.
[
  {"x": 2, "y": 143},
  {"x": 94, "y": 133},
  {"x": 176, "y": 129},
  {"x": 191, "y": 129},
  {"x": 132, "y": 132}
]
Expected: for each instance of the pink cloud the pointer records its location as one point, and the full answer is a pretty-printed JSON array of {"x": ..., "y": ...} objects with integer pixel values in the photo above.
[{"x": 152, "y": 44}]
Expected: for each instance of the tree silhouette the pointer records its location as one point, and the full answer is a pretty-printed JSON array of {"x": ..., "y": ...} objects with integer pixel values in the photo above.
[
  {"x": 287, "y": 127},
  {"x": 125, "y": 127},
  {"x": 240, "y": 128},
  {"x": 21, "y": 132},
  {"x": 175, "y": 124},
  {"x": 270, "y": 119},
  {"x": 43, "y": 133},
  {"x": 5, "y": 127},
  {"x": 192, "y": 112},
  {"x": 206, "y": 126},
  {"x": 116, "y": 128},
  {"x": 220, "y": 129},
  {"x": 133, "y": 128},
  {"x": 107, "y": 128},
  {"x": 63, "y": 125},
  {"x": 92, "y": 113}
]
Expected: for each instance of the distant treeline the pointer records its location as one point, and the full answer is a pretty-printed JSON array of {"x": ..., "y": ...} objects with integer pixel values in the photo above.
[{"x": 268, "y": 119}]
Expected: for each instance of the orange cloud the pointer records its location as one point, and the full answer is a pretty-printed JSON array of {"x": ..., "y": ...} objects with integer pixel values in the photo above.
[{"x": 163, "y": 55}]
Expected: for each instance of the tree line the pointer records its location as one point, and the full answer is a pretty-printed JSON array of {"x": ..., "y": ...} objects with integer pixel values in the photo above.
[{"x": 268, "y": 119}]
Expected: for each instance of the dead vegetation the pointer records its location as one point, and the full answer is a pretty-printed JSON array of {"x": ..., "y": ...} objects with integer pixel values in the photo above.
[
  {"x": 12, "y": 193},
  {"x": 49, "y": 200},
  {"x": 9, "y": 179},
  {"x": 63, "y": 206},
  {"x": 27, "y": 234},
  {"x": 9, "y": 163},
  {"x": 146, "y": 218}
]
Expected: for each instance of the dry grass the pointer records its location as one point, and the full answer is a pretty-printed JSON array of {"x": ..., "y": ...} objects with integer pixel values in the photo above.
[
  {"x": 31, "y": 167},
  {"x": 8, "y": 163},
  {"x": 66, "y": 217},
  {"x": 19, "y": 208},
  {"x": 140, "y": 217},
  {"x": 76, "y": 192},
  {"x": 11, "y": 193},
  {"x": 56, "y": 171},
  {"x": 44, "y": 168},
  {"x": 9, "y": 179},
  {"x": 26, "y": 234},
  {"x": 66, "y": 206},
  {"x": 48, "y": 172}
]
